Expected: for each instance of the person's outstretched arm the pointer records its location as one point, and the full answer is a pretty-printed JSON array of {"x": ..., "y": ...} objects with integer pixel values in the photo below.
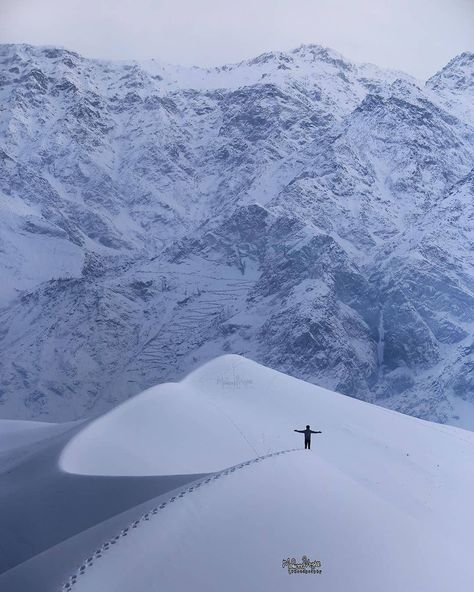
[
  {"x": 315, "y": 432},
  {"x": 300, "y": 431}
]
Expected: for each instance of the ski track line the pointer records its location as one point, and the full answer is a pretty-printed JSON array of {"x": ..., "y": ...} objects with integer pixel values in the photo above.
[{"x": 72, "y": 580}]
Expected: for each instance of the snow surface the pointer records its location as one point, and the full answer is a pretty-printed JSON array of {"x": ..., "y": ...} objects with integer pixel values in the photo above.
[
  {"x": 383, "y": 500},
  {"x": 234, "y": 534},
  {"x": 16, "y": 433}
]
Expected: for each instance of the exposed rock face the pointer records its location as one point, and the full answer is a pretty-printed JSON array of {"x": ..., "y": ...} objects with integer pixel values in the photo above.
[{"x": 310, "y": 213}]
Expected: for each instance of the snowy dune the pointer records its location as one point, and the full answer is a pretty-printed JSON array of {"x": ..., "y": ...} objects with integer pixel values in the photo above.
[
  {"x": 234, "y": 533},
  {"x": 383, "y": 500}
]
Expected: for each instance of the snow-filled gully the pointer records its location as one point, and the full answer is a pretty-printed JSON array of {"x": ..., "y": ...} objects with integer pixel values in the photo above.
[{"x": 193, "y": 486}]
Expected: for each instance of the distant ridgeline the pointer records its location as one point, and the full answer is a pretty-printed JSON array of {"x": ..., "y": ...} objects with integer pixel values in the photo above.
[{"x": 309, "y": 213}]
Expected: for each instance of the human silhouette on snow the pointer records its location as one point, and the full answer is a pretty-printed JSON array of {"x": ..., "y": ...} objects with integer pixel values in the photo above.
[{"x": 307, "y": 436}]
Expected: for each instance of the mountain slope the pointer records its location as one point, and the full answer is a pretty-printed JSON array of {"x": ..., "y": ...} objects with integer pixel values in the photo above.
[{"x": 293, "y": 208}]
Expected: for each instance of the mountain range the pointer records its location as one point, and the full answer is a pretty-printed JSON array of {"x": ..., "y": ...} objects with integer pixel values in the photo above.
[{"x": 310, "y": 213}]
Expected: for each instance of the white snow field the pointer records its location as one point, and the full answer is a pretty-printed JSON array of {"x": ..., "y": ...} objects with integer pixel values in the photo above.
[{"x": 382, "y": 500}]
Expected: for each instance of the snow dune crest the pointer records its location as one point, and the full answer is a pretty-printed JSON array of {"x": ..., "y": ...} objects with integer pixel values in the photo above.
[
  {"x": 382, "y": 500},
  {"x": 228, "y": 410},
  {"x": 232, "y": 409}
]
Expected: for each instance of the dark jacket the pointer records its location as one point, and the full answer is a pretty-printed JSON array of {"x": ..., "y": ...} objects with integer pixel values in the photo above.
[{"x": 307, "y": 433}]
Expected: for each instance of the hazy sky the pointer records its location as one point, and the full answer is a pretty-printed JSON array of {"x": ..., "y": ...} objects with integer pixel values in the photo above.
[{"x": 417, "y": 36}]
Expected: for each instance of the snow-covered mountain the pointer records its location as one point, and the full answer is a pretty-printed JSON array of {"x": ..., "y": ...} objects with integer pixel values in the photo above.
[
  {"x": 228, "y": 493},
  {"x": 304, "y": 211}
]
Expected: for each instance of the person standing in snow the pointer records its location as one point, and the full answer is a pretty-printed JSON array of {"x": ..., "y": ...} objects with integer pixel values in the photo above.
[{"x": 307, "y": 436}]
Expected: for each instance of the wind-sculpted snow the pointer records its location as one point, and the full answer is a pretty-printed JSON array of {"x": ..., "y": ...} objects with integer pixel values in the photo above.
[
  {"x": 198, "y": 473},
  {"x": 302, "y": 210},
  {"x": 351, "y": 529},
  {"x": 359, "y": 514},
  {"x": 76, "y": 578},
  {"x": 242, "y": 410}
]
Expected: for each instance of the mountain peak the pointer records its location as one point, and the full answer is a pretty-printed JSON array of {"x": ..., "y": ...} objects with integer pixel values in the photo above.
[
  {"x": 26, "y": 49},
  {"x": 458, "y": 74},
  {"x": 305, "y": 52},
  {"x": 315, "y": 52}
]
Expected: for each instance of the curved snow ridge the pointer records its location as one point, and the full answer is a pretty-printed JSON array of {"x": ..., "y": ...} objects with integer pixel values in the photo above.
[{"x": 154, "y": 511}]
